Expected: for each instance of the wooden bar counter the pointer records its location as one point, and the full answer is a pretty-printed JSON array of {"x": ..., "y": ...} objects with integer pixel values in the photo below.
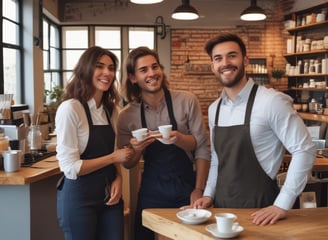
[
  {"x": 300, "y": 224},
  {"x": 28, "y": 202},
  {"x": 320, "y": 165},
  {"x": 26, "y": 175}
]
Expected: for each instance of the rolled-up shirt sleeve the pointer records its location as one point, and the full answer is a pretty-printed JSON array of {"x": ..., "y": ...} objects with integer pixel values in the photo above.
[{"x": 68, "y": 119}]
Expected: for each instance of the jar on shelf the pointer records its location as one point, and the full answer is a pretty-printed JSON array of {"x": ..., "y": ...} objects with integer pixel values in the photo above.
[
  {"x": 34, "y": 138},
  {"x": 311, "y": 67},
  {"x": 4, "y": 143},
  {"x": 312, "y": 105}
]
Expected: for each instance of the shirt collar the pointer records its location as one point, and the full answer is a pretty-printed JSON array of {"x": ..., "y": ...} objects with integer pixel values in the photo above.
[
  {"x": 160, "y": 106},
  {"x": 93, "y": 107},
  {"x": 242, "y": 95}
]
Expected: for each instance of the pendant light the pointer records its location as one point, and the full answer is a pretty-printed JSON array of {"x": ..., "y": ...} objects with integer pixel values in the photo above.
[
  {"x": 185, "y": 12},
  {"x": 146, "y": 1},
  {"x": 253, "y": 13}
]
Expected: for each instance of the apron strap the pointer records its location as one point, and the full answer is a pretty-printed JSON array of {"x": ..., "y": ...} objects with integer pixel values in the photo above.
[
  {"x": 248, "y": 108},
  {"x": 168, "y": 100},
  {"x": 169, "y": 104},
  {"x": 142, "y": 113},
  {"x": 250, "y": 104}
]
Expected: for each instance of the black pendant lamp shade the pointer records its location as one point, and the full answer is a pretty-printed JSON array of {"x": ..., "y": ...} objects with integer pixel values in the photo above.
[
  {"x": 185, "y": 12},
  {"x": 146, "y": 1},
  {"x": 253, "y": 13}
]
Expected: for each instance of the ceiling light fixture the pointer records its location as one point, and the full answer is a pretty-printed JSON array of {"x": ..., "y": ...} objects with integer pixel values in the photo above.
[
  {"x": 185, "y": 12},
  {"x": 146, "y": 1},
  {"x": 253, "y": 13}
]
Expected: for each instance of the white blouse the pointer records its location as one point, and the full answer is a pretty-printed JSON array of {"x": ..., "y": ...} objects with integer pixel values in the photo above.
[{"x": 72, "y": 130}]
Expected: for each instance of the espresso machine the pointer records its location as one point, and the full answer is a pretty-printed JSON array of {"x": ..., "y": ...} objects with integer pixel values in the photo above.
[
  {"x": 15, "y": 129},
  {"x": 16, "y": 136}
]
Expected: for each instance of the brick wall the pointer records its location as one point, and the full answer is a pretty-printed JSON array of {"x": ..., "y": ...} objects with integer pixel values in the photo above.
[{"x": 264, "y": 39}]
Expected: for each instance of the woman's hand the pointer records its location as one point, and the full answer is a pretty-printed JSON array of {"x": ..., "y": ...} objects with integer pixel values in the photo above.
[
  {"x": 122, "y": 155},
  {"x": 115, "y": 191}
]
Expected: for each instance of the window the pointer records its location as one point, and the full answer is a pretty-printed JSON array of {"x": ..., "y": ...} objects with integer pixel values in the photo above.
[
  {"x": 110, "y": 38},
  {"x": 76, "y": 39},
  {"x": 11, "y": 52},
  {"x": 51, "y": 55},
  {"x": 141, "y": 36}
]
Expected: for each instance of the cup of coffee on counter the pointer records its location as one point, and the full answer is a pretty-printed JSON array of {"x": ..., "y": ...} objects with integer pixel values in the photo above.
[
  {"x": 165, "y": 130},
  {"x": 11, "y": 160},
  {"x": 140, "y": 134},
  {"x": 225, "y": 222}
]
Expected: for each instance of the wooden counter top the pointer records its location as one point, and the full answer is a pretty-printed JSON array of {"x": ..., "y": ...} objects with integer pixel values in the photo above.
[
  {"x": 320, "y": 164},
  {"x": 26, "y": 175},
  {"x": 300, "y": 224}
]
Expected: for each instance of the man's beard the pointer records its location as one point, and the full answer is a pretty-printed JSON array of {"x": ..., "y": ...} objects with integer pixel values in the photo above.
[{"x": 236, "y": 80}]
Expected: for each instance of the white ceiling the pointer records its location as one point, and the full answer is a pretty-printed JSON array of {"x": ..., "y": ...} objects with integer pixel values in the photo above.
[{"x": 213, "y": 13}]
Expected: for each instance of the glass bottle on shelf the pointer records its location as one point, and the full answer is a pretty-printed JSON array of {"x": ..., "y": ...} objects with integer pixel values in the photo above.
[
  {"x": 311, "y": 67},
  {"x": 306, "y": 66}
]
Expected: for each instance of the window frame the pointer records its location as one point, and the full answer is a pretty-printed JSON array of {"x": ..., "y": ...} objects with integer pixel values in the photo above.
[
  {"x": 19, "y": 89},
  {"x": 125, "y": 48},
  {"x": 53, "y": 53}
]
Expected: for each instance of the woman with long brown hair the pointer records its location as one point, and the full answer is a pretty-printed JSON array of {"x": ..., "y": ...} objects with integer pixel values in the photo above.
[{"x": 89, "y": 203}]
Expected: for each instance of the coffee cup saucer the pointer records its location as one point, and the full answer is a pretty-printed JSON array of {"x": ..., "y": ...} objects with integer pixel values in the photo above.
[
  {"x": 194, "y": 216},
  {"x": 236, "y": 230}
]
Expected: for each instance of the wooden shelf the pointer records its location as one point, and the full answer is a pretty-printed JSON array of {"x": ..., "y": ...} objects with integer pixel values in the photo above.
[
  {"x": 313, "y": 117},
  {"x": 257, "y": 74},
  {"x": 309, "y": 75},
  {"x": 307, "y": 26},
  {"x": 305, "y": 31},
  {"x": 198, "y": 73},
  {"x": 318, "y": 51},
  {"x": 310, "y": 89}
]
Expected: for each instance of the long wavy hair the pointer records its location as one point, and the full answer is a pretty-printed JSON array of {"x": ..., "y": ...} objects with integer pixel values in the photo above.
[
  {"x": 131, "y": 90},
  {"x": 80, "y": 85}
]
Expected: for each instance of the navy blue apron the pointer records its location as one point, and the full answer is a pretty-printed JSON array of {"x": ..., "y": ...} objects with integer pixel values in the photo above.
[
  {"x": 242, "y": 182},
  {"x": 168, "y": 177},
  {"x": 81, "y": 210}
]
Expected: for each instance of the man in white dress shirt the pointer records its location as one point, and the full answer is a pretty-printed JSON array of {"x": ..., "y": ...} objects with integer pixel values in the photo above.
[{"x": 250, "y": 127}]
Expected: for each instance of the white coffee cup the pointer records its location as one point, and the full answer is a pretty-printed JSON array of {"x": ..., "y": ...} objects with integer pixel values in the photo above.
[
  {"x": 140, "y": 134},
  {"x": 11, "y": 160},
  {"x": 165, "y": 130},
  {"x": 225, "y": 221}
]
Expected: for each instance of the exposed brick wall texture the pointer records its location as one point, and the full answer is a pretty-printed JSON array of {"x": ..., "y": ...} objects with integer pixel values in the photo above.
[{"x": 266, "y": 39}]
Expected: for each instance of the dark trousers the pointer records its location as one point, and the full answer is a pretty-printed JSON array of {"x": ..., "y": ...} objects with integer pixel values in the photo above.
[
  {"x": 83, "y": 215},
  {"x": 160, "y": 193}
]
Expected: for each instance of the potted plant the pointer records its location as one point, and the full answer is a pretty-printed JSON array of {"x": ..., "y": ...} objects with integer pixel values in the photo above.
[
  {"x": 53, "y": 98},
  {"x": 54, "y": 95},
  {"x": 277, "y": 74}
]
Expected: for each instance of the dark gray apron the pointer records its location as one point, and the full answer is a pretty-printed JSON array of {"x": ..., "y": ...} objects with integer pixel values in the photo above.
[
  {"x": 241, "y": 183},
  {"x": 81, "y": 207},
  {"x": 168, "y": 178}
]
